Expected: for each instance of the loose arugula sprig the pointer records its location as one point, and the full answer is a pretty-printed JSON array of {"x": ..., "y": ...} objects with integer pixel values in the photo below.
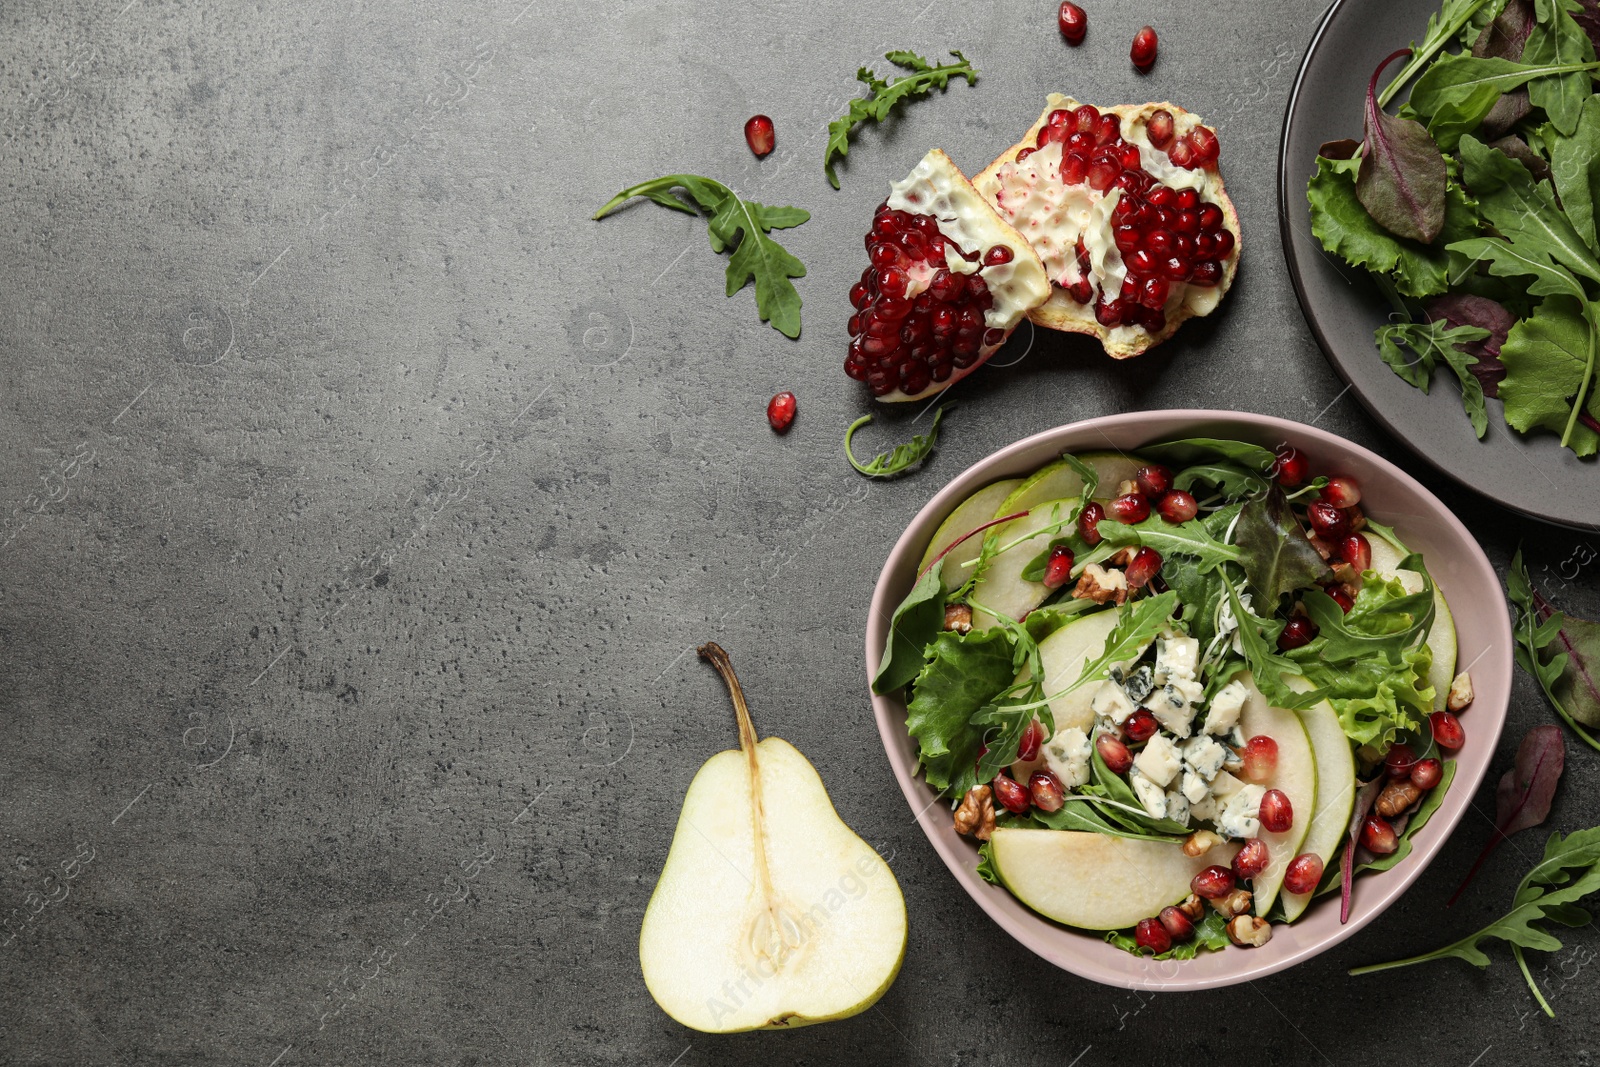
[
  {"x": 741, "y": 225},
  {"x": 1562, "y": 662},
  {"x": 903, "y": 457},
  {"x": 882, "y": 96},
  {"x": 1568, "y": 872}
]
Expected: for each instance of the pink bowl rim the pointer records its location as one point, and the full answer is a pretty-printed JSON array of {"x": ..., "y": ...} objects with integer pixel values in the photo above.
[{"x": 1378, "y": 891}]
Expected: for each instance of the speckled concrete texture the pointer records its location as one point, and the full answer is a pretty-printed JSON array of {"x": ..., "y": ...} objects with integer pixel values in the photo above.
[{"x": 363, "y": 500}]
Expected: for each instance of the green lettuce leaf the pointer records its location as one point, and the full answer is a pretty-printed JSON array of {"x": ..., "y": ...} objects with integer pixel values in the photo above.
[
  {"x": 1274, "y": 550},
  {"x": 1547, "y": 359},
  {"x": 1210, "y": 935},
  {"x": 915, "y": 623},
  {"x": 963, "y": 673}
]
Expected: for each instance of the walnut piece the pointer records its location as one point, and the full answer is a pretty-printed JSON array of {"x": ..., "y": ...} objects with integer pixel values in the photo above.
[
  {"x": 1324, "y": 549},
  {"x": 1123, "y": 556},
  {"x": 1460, "y": 693},
  {"x": 1127, "y": 487},
  {"x": 958, "y": 617},
  {"x": 975, "y": 816},
  {"x": 1100, "y": 585},
  {"x": 1398, "y": 796},
  {"x": 1249, "y": 931},
  {"x": 1235, "y": 903},
  {"x": 1193, "y": 907},
  {"x": 1200, "y": 842}
]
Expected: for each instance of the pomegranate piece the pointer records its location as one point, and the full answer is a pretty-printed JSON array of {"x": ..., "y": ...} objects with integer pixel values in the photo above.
[
  {"x": 1213, "y": 883},
  {"x": 1045, "y": 788},
  {"x": 1277, "y": 814},
  {"x": 1377, "y": 836},
  {"x": 1143, "y": 51},
  {"x": 1291, "y": 468},
  {"x": 947, "y": 281},
  {"x": 1251, "y": 859},
  {"x": 1178, "y": 925},
  {"x": 1089, "y": 523},
  {"x": 1154, "y": 480},
  {"x": 1178, "y": 506},
  {"x": 1341, "y": 491},
  {"x": 1297, "y": 632},
  {"x": 1032, "y": 738},
  {"x": 1145, "y": 566},
  {"x": 1304, "y": 873},
  {"x": 1058, "y": 568},
  {"x": 1341, "y": 597},
  {"x": 758, "y": 134},
  {"x": 1130, "y": 508},
  {"x": 1356, "y": 550},
  {"x": 1114, "y": 753},
  {"x": 1151, "y": 934},
  {"x": 1399, "y": 761},
  {"x": 1141, "y": 726},
  {"x": 780, "y": 412},
  {"x": 1329, "y": 522},
  {"x": 1426, "y": 774},
  {"x": 1074, "y": 22},
  {"x": 1260, "y": 755},
  {"x": 1011, "y": 794},
  {"x": 1447, "y": 730}
]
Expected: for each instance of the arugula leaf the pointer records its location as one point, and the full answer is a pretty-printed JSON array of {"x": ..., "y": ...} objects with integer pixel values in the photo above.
[
  {"x": 1557, "y": 39},
  {"x": 755, "y": 255},
  {"x": 904, "y": 457},
  {"x": 962, "y": 673},
  {"x": 1194, "y": 450},
  {"x": 1269, "y": 668},
  {"x": 883, "y": 96},
  {"x": 1210, "y": 934},
  {"x": 1467, "y": 309},
  {"x": 1443, "y": 27},
  {"x": 1190, "y": 539},
  {"x": 1575, "y": 169},
  {"x": 916, "y": 622},
  {"x": 1525, "y": 212},
  {"x": 1385, "y": 621},
  {"x": 1568, "y": 872},
  {"x": 1549, "y": 359},
  {"x": 1199, "y": 592},
  {"x": 1116, "y": 789},
  {"x": 1432, "y": 343},
  {"x": 1401, "y": 179},
  {"x": 1559, "y": 651},
  {"x": 1274, "y": 550},
  {"x": 1457, "y": 93},
  {"x": 1234, "y": 481}
]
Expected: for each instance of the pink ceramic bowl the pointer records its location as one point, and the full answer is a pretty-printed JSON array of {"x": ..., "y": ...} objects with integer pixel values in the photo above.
[{"x": 1392, "y": 497}]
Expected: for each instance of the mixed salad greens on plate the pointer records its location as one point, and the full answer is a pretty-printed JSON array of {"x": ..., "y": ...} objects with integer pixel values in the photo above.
[{"x": 1176, "y": 695}]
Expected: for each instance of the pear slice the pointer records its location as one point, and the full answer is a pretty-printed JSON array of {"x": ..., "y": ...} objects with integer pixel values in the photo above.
[
  {"x": 1295, "y": 774},
  {"x": 970, "y": 514},
  {"x": 1386, "y": 557},
  {"x": 770, "y": 912},
  {"x": 1336, "y": 790},
  {"x": 1060, "y": 479}
]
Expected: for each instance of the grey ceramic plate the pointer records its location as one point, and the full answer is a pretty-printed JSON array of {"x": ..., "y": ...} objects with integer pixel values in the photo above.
[{"x": 1533, "y": 475}]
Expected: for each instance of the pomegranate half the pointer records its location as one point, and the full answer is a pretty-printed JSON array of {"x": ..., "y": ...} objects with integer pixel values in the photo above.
[
  {"x": 1126, "y": 208},
  {"x": 947, "y": 283}
]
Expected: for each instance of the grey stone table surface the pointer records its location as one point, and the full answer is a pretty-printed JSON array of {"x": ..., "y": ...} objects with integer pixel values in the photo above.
[{"x": 363, "y": 500}]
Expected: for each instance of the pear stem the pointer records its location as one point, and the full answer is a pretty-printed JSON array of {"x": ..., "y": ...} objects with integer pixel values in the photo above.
[{"x": 713, "y": 654}]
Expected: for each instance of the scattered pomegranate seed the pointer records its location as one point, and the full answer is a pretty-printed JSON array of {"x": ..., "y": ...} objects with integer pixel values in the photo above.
[
  {"x": 1141, "y": 726},
  {"x": 1277, "y": 814},
  {"x": 1213, "y": 883},
  {"x": 1032, "y": 738},
  {"x": 1304, "y": 873},
  {"x": 1152, "y": 935},
  {"x": 1400, "y": 760},
  {"x": 1115, "y": 754},
  {"x": 1252, "y": 859},
  {"x": 1089, "y": 523},
  {"x": 1356, "y": 550},
  {"x": 1178, "y": 925},
  {"x": 1447, "y": 730},
  {"x": 1341, "y": 491},
  {"x": 1143, "y": 52},
  {"x": 1297, "y": 632},
  {"x": 1341, "y": 597},
  {"x": 1074, "y": 22},
  {"x": 1178, "y": 506},
  {"x": 1011, "y": 794},
  {"x": 1260, "y": 755},
  {"x": 1058, "y": 568},
  {"x": 1145, "y": 566},
  {"x": 1377, "y": 836},
  {"x": 1045, "y": 788},
  {"x": 780, "y": 412},
  {"x": 1426, "y": 774},
  {"x": 758, "y": 135},
  {"x": 1153, "y": 481},
  {"x": 1328, "y": 521},
  {"x": 1291, "y": 468},
  {"x": 1158, "y": 129},
  {"x": 1131, "y": 508}
]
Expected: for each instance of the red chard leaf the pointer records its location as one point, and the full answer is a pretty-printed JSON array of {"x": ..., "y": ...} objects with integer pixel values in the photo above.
[
  {"x": 1588, "y": 20},
  {"x": 1402, "y": 179},
  {"x": 1507, "y": 35},
  {"x": 1365, "y": 797},
  {"x": 1578, "y": 688},
  {"x": 1464, "y": 309},
  {"x": 1523, "y": 797},
  {"x": 1518, "y": 149},
  {"x": 1345, "y": 148}
]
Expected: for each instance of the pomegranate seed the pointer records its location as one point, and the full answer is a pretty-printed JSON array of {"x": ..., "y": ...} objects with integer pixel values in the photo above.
[
  {"x": 1128, "y": 155},
  {"x": 1059, "y": 117},
  {"x": 1145, "y": 566},
  {"x": 1400, "y": 760},
  {"x": 758, "y": 135},
  {"x": 1252, "y": 859},
  {"x": 1102, "y": 175},
  {"x": 997, "y": 255},
  {"x": 1297, "y": 632},
  {"x": 1356, "y": 550},
  {"x": 1210, "y": 217},
  {"x": 1377, "y": 836},
  {"x": 1206, "y": 273},
  {"x": 1178, "y": 506},
  {"x": 1032, "y": 738},
  {"x": 859, "y": 296},
  {"x": 1162, "y": 195},
  {"x": 780, "y": 412},
  {"x": 1277, "y": 814},
  {"x": 1153, "y": 480},
  {"x": 1158, "y": 129},
  {"x": 1447, "y": 730},
  {"x": 1131, "y": 508},
  {"x": 1141, "y": 726},
  {"x": 1084, "y": 117},
  {"x": 1260, "y": 755},
  {"x": 1089, "y": 522},
  {"x": 1304, "y": 873},
  {"x": 1154, "y": 292},
  {"x": 1011, "y": 795},
  {"x": 1074, "y": 168},
  {"x": 1426, "y": 774},
  {"x": 1115, "y": 754},
  {"x": 1151, "y": 934},
  {"x": 1224, "y": 244},
  {"x": 1179, "y": 928},
  {"x": 1181, "y": 152},
  {"x": 1206, "y": 149},
  {"x": 1045, "y": 788},
  {"x": 1107, "y": 128},
  {"x": 1081, "y": 291},
  {"x": 1025, "y": 153},
  {"x": 1074, "y": 22},
  {"x": 1328, "y": 521},
  {"x": 1341, "y": 491},
  {"x": 1188, "y": 200},
  {"x": 1058, "y": 568},
  {"x": 1340, "y": 596},
  {"x": 1213, "y": 883},
  {"x": 1143, "y": 52},
  {"x": 1291, "y": 468}
]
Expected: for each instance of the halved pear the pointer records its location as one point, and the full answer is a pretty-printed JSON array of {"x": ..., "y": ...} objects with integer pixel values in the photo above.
[
  {"x": 1060, "y": 479},
  {"x": 1295, "y": 774},
  {"x": 770, "y": 912},
  {"x": 1386, "y": 557},
  {"x": 1096, "y": 881},
  {"x": 970, "y": 514},
  {"x": 1336, "y": 791}
]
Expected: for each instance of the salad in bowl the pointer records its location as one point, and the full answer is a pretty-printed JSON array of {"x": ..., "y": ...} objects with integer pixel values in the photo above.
[{"x": 1180, "y": 696}]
